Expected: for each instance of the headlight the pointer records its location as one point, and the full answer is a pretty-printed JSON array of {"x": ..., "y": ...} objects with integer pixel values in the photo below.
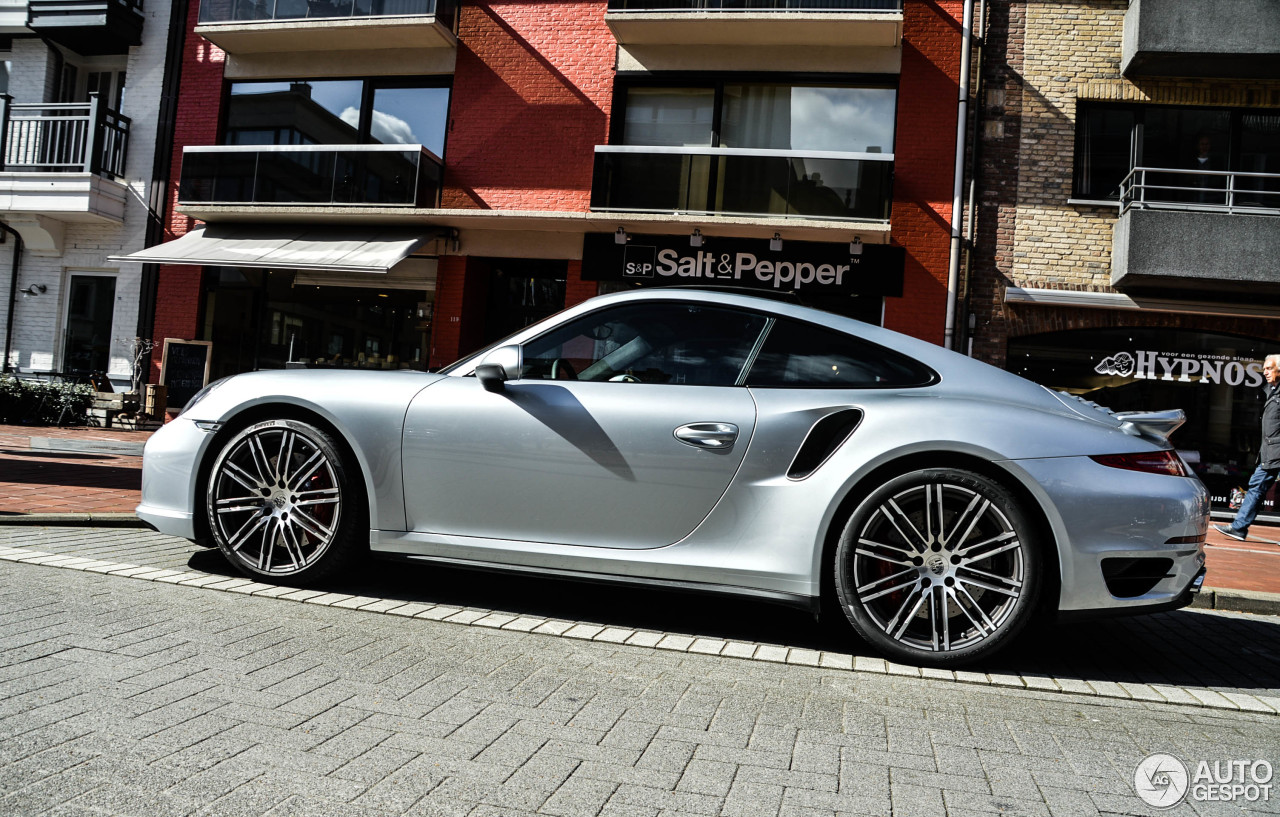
[{"x": 200, "y": 395}]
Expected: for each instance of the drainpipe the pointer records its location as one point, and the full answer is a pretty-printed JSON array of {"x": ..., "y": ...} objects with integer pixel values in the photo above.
[
  {"x": 13, "y": 291},
  {"x": 957, "y": 195}
]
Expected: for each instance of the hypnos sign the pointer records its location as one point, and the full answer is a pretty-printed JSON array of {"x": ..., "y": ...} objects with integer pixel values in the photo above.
[{"x": 745, "y": 262}]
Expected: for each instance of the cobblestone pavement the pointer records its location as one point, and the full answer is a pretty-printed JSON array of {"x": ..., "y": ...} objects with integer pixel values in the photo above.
[
  {"x": 1215, "y": 660},
  {"x": 124, "y": 697}
]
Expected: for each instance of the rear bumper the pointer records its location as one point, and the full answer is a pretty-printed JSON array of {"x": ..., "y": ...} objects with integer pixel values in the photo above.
[{"x": 1107, "y": 513}]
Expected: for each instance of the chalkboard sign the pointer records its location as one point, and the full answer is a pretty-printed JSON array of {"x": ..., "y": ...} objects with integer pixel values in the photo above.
[{"x": 184, "y": 368}]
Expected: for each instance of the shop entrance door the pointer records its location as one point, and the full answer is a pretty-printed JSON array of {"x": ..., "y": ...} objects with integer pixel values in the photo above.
[{"x": 91, "y": 301}]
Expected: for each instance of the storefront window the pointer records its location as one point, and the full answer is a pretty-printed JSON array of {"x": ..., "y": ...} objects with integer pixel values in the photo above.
[
  {"x": 1215, "y": 378},
  {"x": 267, "y": 320}
]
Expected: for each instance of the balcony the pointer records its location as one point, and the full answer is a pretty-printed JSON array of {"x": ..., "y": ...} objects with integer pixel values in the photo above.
[
  {"x": 311, "y": 175},
  {"x": 847, "y": 23},
  {"x": 734, "y": 181},
  {"x": 62, "y": 162},
  {"x": 1193, "y": 230},
  {"x": 1202, "y": 38},
  {"x": 268, "y": 26},
  {"x": 88, "y": 27}
]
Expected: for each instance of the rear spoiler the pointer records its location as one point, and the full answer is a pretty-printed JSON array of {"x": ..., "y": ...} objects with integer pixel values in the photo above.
[{"x": 1151, "y": 423}]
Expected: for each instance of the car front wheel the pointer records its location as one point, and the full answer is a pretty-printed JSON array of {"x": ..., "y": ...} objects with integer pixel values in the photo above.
[
  {"x": 282, "y": 505},
  {"x": 939, "y": 567}
]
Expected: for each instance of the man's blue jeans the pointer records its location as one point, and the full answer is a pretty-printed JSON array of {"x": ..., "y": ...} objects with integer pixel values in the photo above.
[{"x": 1259, "y": 484}]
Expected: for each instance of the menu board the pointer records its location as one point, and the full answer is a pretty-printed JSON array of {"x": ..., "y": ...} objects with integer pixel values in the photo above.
[{"x": 184, "y": 368}]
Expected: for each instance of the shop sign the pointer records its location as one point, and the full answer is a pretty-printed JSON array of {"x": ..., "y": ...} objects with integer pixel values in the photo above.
[
  {"x": 1181, "y": 367},
  {"x": 800, "y": 266}
]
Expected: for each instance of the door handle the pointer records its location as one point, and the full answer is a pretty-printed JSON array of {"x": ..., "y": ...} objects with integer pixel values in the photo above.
[{"x": 708, "y": 435}]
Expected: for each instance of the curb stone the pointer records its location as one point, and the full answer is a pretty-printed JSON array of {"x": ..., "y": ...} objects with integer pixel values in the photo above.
[
  {"x": 103, "y": 520},
  {"x": 1210, "y": 598},
  {"x": 1238, "y": 601},
  {"x": 771, "y": 653}
]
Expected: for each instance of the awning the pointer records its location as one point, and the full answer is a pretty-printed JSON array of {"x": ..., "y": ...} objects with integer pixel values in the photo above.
[{"x": 288, "y": 247}]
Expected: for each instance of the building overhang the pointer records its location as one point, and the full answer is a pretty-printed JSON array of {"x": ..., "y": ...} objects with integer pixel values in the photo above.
[
  {"x": 370, "y": 34},
  {"x": 38, "y": 205},
  {"x": 546, "y": 234},
  {"x": 1035, "y": 296},
  {"x": 1217, "y": 254},
  {"x": 853, "y": 29},
  {"x": 1201, "y": 38}
]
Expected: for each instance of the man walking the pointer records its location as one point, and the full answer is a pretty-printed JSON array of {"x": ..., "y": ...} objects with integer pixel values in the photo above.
[{"x": 1269, "y": 458}]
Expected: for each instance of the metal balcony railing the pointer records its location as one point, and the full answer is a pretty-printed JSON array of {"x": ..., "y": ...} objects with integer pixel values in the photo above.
[
  {"x": 1201, "y": 190},
  {"x": 754, "y": 5},
  {"x": 738, "y": 181},
  {"x": 227, "y": 11},
  {"x": 83, "y": 137},
  {"x": 351, "y": 175}
]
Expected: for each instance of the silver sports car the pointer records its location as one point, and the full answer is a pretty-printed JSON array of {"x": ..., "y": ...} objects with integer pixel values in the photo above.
[{"x": 704, "y": 440}]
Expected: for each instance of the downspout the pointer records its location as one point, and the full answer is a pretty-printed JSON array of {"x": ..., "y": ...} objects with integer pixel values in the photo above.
[
  {"x": 957, "y": 194},
  {"x": 13, "y": 292}
]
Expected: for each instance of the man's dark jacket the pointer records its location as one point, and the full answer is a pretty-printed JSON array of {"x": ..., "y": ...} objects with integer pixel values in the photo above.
[{"x": 1271, "y": 428}]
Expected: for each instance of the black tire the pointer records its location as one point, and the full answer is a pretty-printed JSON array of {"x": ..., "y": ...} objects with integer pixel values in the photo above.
[
  {"x": 934, "y": 535},
  {"x": 284, "y": 506}
]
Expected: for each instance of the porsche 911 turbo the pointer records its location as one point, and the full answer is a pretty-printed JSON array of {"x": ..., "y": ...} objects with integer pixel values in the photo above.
[{"x": 704, "y": 440}]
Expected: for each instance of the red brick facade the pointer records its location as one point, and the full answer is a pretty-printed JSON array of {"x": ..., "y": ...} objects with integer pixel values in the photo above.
[
  {"x": 924, "y": 162},
  {"x": 199, "y": 107},
  {"x": 530, "y": 102},
  {"x": 531, "y": 96}
]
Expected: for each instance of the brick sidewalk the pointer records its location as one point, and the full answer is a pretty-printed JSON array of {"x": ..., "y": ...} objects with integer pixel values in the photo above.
[{"x": 35, "y": 480}]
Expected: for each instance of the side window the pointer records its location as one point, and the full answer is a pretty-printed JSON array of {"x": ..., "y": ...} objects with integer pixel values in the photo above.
[
  {"x": 801, "y": 355},
  {"x": 676, "y": 343}
]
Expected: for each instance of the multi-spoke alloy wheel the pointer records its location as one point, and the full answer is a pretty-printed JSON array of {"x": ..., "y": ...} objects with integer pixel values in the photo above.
[
  {"x": 936, "y": 567},
  {"x": 279, "y": 502}
]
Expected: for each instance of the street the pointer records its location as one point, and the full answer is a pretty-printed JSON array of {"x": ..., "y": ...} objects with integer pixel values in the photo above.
[{"x": 128, "y": 696}]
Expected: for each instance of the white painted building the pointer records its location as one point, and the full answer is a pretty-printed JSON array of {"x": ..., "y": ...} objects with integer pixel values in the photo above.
[{"x": 79, "y": 124}]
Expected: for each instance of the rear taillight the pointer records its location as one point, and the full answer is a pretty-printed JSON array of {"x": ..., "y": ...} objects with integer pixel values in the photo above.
[{"x": 1152, "y": 462}]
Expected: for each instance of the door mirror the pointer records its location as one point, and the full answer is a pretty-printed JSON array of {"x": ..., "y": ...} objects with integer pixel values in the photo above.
[{"x": 499, "y": 366}]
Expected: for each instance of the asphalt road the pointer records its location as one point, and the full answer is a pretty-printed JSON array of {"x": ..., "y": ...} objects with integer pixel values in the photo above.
[{"x": 122, "y": 696}]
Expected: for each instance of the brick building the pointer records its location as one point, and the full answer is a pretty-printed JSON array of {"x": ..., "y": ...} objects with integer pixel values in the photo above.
[
  {"x": 398, "y": 183},
  {"x": 1129, "y": 176},
  {"x": 82, "y": 113}
]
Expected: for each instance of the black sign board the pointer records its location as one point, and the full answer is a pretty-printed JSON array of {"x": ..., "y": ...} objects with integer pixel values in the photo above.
[
  {"x": 800, "y": 266},
  {"x": 184, "y": 368}
]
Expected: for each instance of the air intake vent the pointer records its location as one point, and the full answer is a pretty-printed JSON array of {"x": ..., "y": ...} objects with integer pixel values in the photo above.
[
  {"x": 1129, "y": 578},
  {"x": 824, "y": 438}
]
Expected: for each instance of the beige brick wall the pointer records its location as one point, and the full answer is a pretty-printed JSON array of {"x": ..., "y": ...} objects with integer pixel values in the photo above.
[{"x": 1072, "y": 52}]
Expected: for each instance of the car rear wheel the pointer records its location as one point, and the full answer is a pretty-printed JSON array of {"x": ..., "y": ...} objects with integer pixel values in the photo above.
[
  {"x": 938, "y": 566},
  {"x": 282, "y": 504}
]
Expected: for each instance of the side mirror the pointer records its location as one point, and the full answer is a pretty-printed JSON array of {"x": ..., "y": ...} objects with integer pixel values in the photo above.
[{"x": 502, "y": 364}]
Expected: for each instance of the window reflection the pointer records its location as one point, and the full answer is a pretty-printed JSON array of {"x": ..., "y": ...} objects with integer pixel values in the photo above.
[{"x": 337, "y": 112}]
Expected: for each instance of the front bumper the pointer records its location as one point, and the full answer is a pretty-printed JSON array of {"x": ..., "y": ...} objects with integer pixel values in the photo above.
[
  {"x": 1100, "y": 513},
  {"x": 169, "y": 475}
]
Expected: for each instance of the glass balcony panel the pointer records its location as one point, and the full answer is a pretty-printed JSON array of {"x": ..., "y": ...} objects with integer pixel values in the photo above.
[
  {"x": 755, "y": 5},
  {"x": 343, "y": 174},
  {"x": 770, "y": 184},
  {"x": 753, "y": 184},
  {"x": 301, "y": 177},
  {"x": 224, "y": 11},
  {"x": 651, "y": 181}
]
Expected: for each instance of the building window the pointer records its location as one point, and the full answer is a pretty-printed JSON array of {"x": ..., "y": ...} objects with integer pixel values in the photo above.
[
  {"x": 1112, "y": 139},
  {"x": 768, "y": 148},
  {"x": 337, "y": 112}
]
